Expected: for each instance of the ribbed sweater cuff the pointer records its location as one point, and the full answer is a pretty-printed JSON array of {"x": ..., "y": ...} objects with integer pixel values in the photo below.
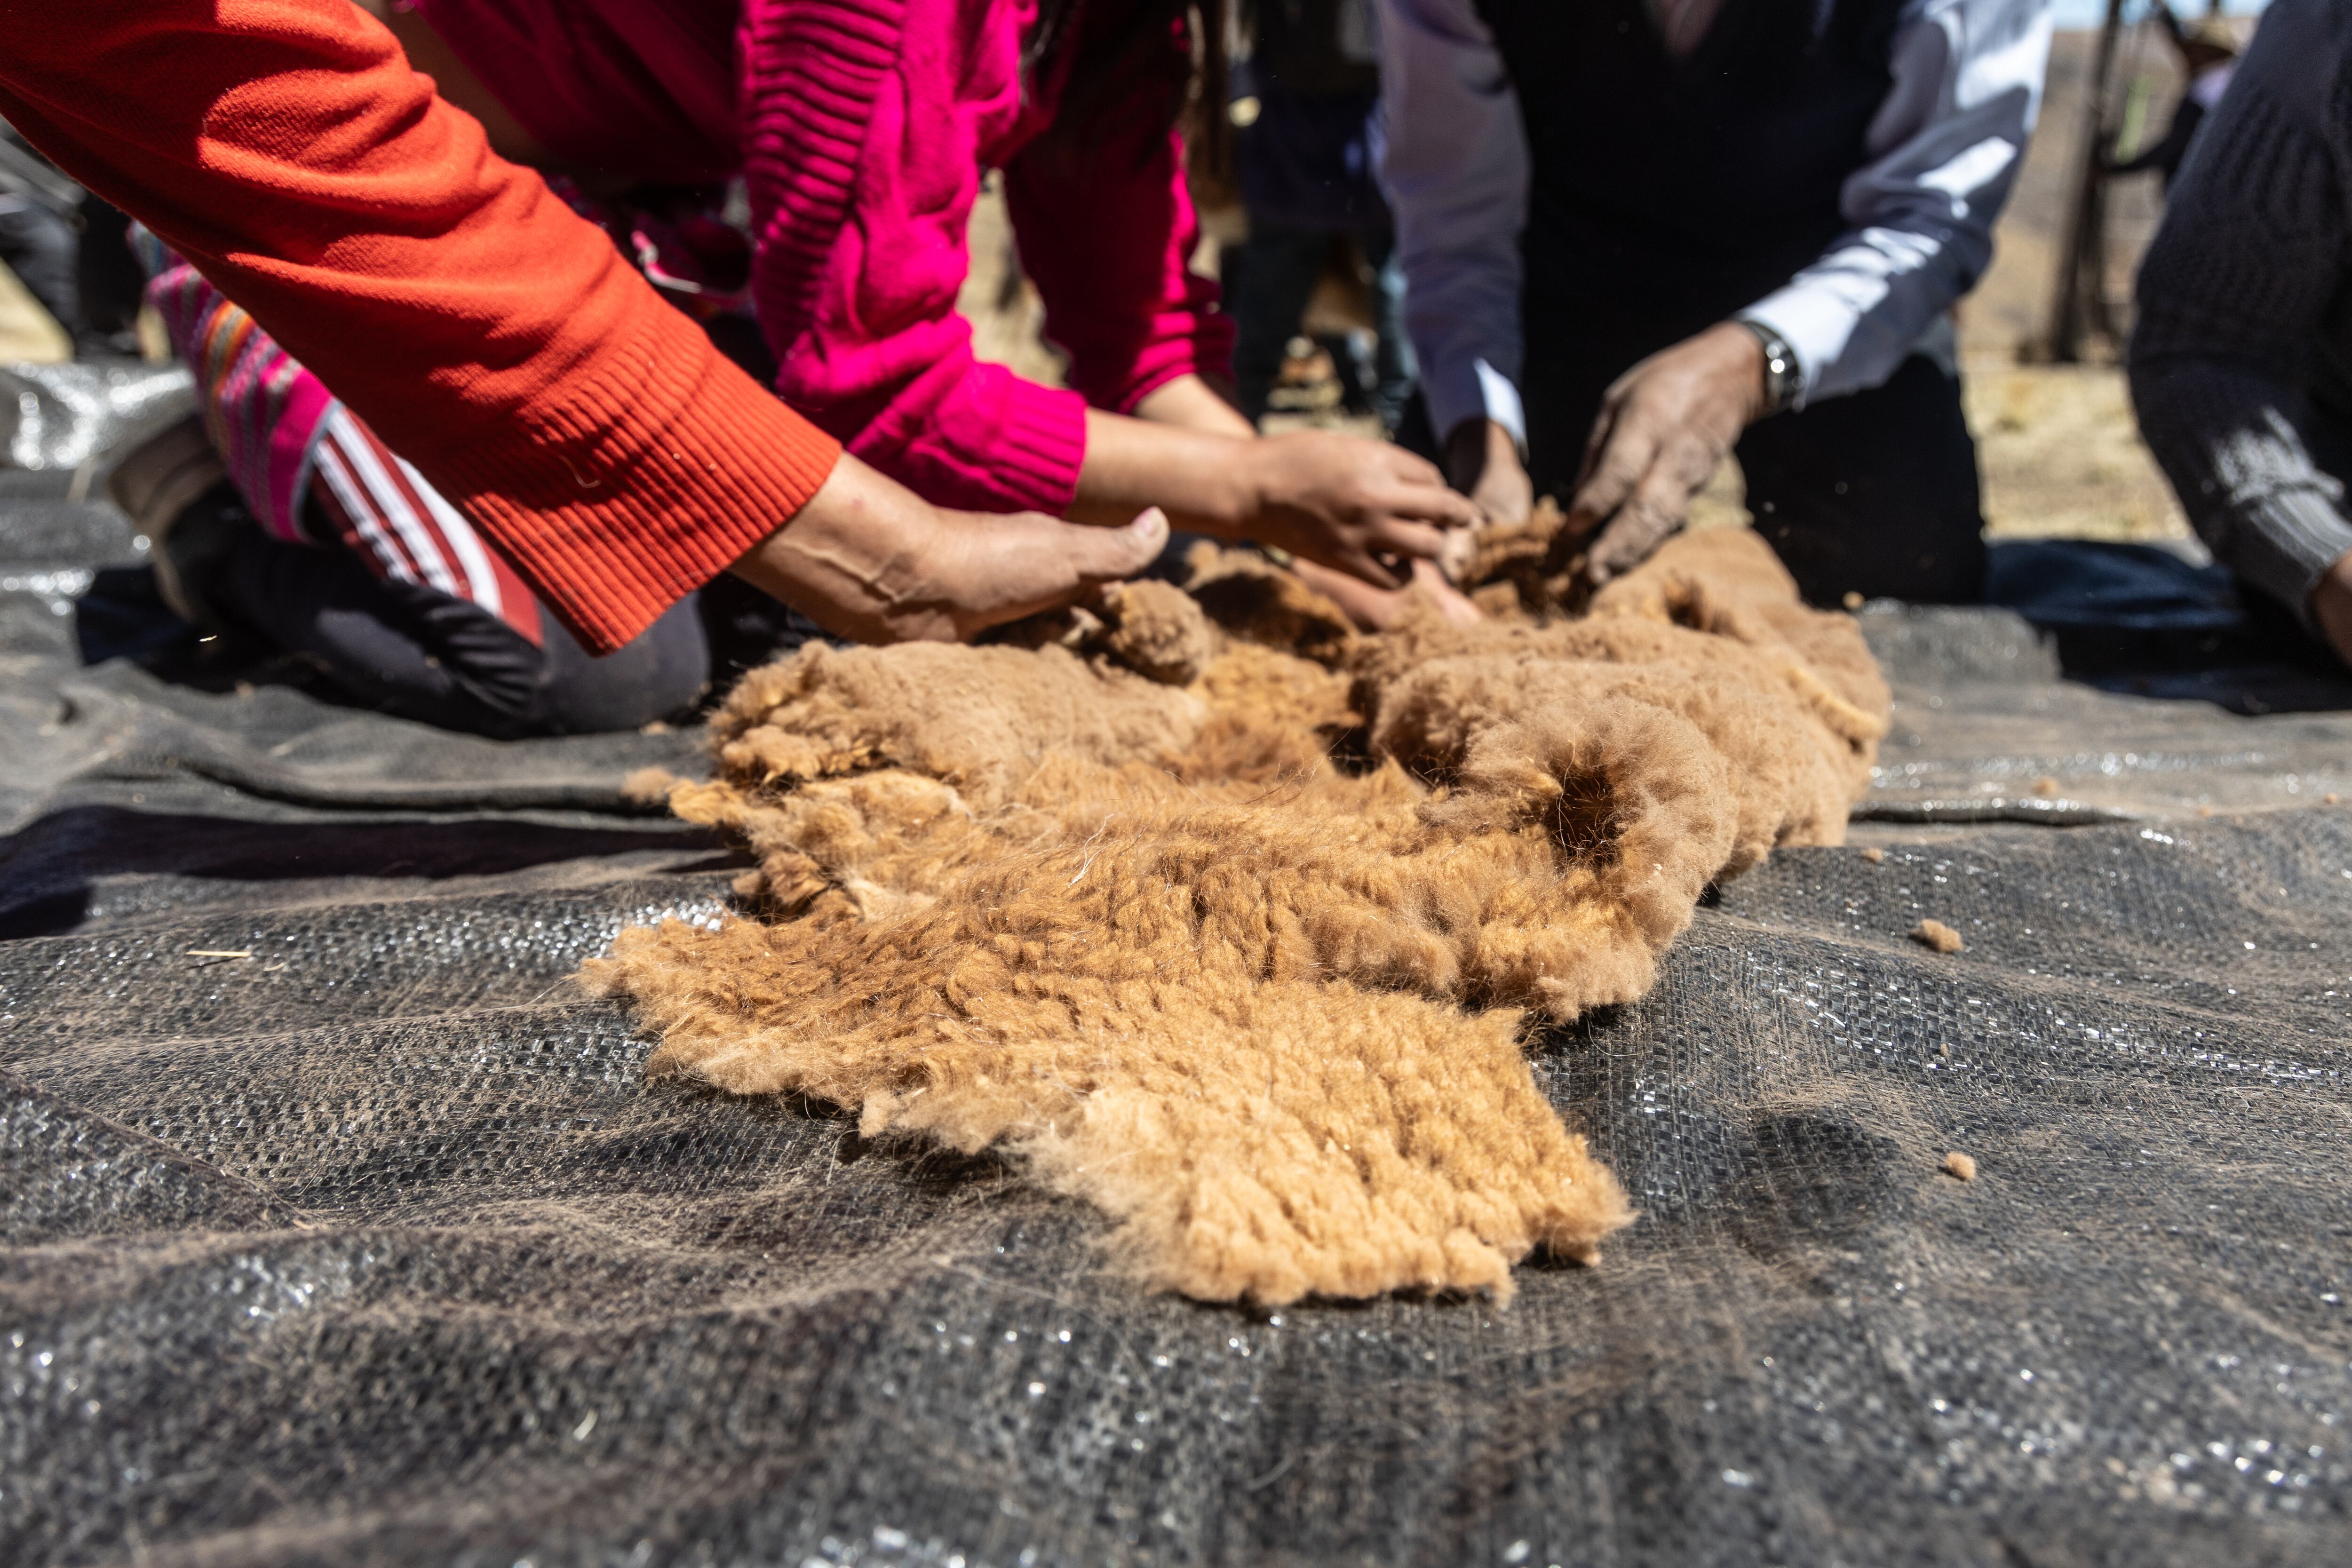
[
  {"x": 1041, "y": 448},
  {"x": 2288, "y": 543},
  {"x": 628, "y": 491}
]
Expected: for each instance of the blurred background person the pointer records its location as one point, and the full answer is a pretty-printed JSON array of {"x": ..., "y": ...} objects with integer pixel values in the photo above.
[
  {"x": 2209, "y": 54},
  {"x": 2242, "y": 357},
  {"x": 1305, "y": 111},
  {"x": 1637, "y": 234},
  {"x": 69, "y": 248}
]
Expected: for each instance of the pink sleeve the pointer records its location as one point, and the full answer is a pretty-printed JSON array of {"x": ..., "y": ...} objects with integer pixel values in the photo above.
[
  {"x": 1108, "y": 236},
  {"x": 859, "y": 204}
]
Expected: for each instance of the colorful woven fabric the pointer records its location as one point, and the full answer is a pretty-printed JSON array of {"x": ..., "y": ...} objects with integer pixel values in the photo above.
[
  {"x": 264, "y": 410},
  {"x": 307, "y": 465}
]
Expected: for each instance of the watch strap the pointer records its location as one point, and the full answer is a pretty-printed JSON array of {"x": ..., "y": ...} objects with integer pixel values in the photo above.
[{"x": 1784, "y": 376}]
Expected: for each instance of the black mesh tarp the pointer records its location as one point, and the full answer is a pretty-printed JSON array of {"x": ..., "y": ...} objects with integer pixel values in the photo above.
[{"x": 374, "y": 1247}]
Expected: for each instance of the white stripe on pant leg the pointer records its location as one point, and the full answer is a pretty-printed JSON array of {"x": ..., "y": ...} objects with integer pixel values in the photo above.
[
  {"x": 463, "y": 542},
  {"x": 393, "y": 507},
  {"x": 334, "y": 467}
]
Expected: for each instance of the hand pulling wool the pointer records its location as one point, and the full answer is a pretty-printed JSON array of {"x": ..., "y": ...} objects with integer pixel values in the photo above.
[{"x": 1248, "y": 962}]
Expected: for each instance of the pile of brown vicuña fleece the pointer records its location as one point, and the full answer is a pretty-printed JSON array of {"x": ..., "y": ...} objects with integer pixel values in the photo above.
[{"x": 1246, "y": 955}]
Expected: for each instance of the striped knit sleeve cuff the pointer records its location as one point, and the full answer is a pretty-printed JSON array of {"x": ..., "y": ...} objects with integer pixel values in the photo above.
[
  {"x": 2287, "y": 543},
  {"x": 615, "y": 498}
]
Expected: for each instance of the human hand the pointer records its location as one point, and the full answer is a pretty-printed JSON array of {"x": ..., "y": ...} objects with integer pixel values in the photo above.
[
  {"x": 1663, "y": 428},
  {"x": 1377, "y": 609},
  {"x": 1359, "y": 507},
  {"x": 1483, "y": 459},
  {"x": 2331, "y": 606},
  {"x": 868, "y": 559}
]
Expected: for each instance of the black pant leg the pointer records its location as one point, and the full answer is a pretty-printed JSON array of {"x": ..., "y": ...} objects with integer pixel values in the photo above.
[
  {"x": 39, "y": 247},
  {"x": 414, "y": 651},
  {"x": 1279, "y": 267},
  {"x": 399, "y": 648},
  {"x": 660, "y": 672},
  {"x": 1875, "y": 493},
  {"x": 112, "y": 282}
]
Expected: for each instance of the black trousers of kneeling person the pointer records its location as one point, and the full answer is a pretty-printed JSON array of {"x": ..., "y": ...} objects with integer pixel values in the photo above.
[
  {"x": 411, "y": 650},
  {"x": 1874, "y": 493}
]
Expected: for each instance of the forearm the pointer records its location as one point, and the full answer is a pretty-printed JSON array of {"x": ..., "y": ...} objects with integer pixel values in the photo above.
[
  {"x": 853, "y": 559},
  {"x": 869, "y": 559},
  {"x": 1944, "y": 153},
  {"x": 1204, "y": 478},
  {"x": 2237, "y": 446},
  {"x": 1359, "y": 507},
  {"x": 1854, "y": 316},
  {"x": 1190, "y": 403}
]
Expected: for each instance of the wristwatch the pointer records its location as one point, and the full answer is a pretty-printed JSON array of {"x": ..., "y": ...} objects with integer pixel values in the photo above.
[{"x": 1784, "y": 378}]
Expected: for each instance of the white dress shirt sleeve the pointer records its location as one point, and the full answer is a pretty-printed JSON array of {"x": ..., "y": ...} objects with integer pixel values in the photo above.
[
  {"x": 1945, "y": 149},
  {"x": 1454, "y": 161}
]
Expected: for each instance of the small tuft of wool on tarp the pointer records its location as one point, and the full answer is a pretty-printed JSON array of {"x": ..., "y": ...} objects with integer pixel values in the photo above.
[{"x": 1936, "y": 935}]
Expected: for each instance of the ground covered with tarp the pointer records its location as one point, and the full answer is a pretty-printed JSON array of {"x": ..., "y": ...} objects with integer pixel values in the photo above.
[{"x": 337, "y": 1226}]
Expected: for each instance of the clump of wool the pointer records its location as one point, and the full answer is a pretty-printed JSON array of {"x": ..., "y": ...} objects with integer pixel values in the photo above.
[{"x": 1234, "y": 922}]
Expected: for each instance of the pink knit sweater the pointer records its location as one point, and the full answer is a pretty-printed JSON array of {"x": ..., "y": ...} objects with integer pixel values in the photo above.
[{"x": 862, "y": 128}]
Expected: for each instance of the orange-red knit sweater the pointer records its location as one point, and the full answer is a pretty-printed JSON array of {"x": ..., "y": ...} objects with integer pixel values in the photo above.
[{"x": 492, "y": 337}]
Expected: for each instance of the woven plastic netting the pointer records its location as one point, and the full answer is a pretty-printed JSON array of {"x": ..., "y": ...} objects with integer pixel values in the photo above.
[{"x": 376, "y": 1247}]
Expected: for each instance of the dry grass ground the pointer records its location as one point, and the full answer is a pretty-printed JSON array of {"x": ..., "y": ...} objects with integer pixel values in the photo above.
[
  {"x": 2062, "y": 456},
  {"x": 28, "y": 334}
]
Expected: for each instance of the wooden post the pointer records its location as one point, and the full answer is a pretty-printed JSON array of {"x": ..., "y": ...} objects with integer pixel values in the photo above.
[{"x": 2081, "y": 303}]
